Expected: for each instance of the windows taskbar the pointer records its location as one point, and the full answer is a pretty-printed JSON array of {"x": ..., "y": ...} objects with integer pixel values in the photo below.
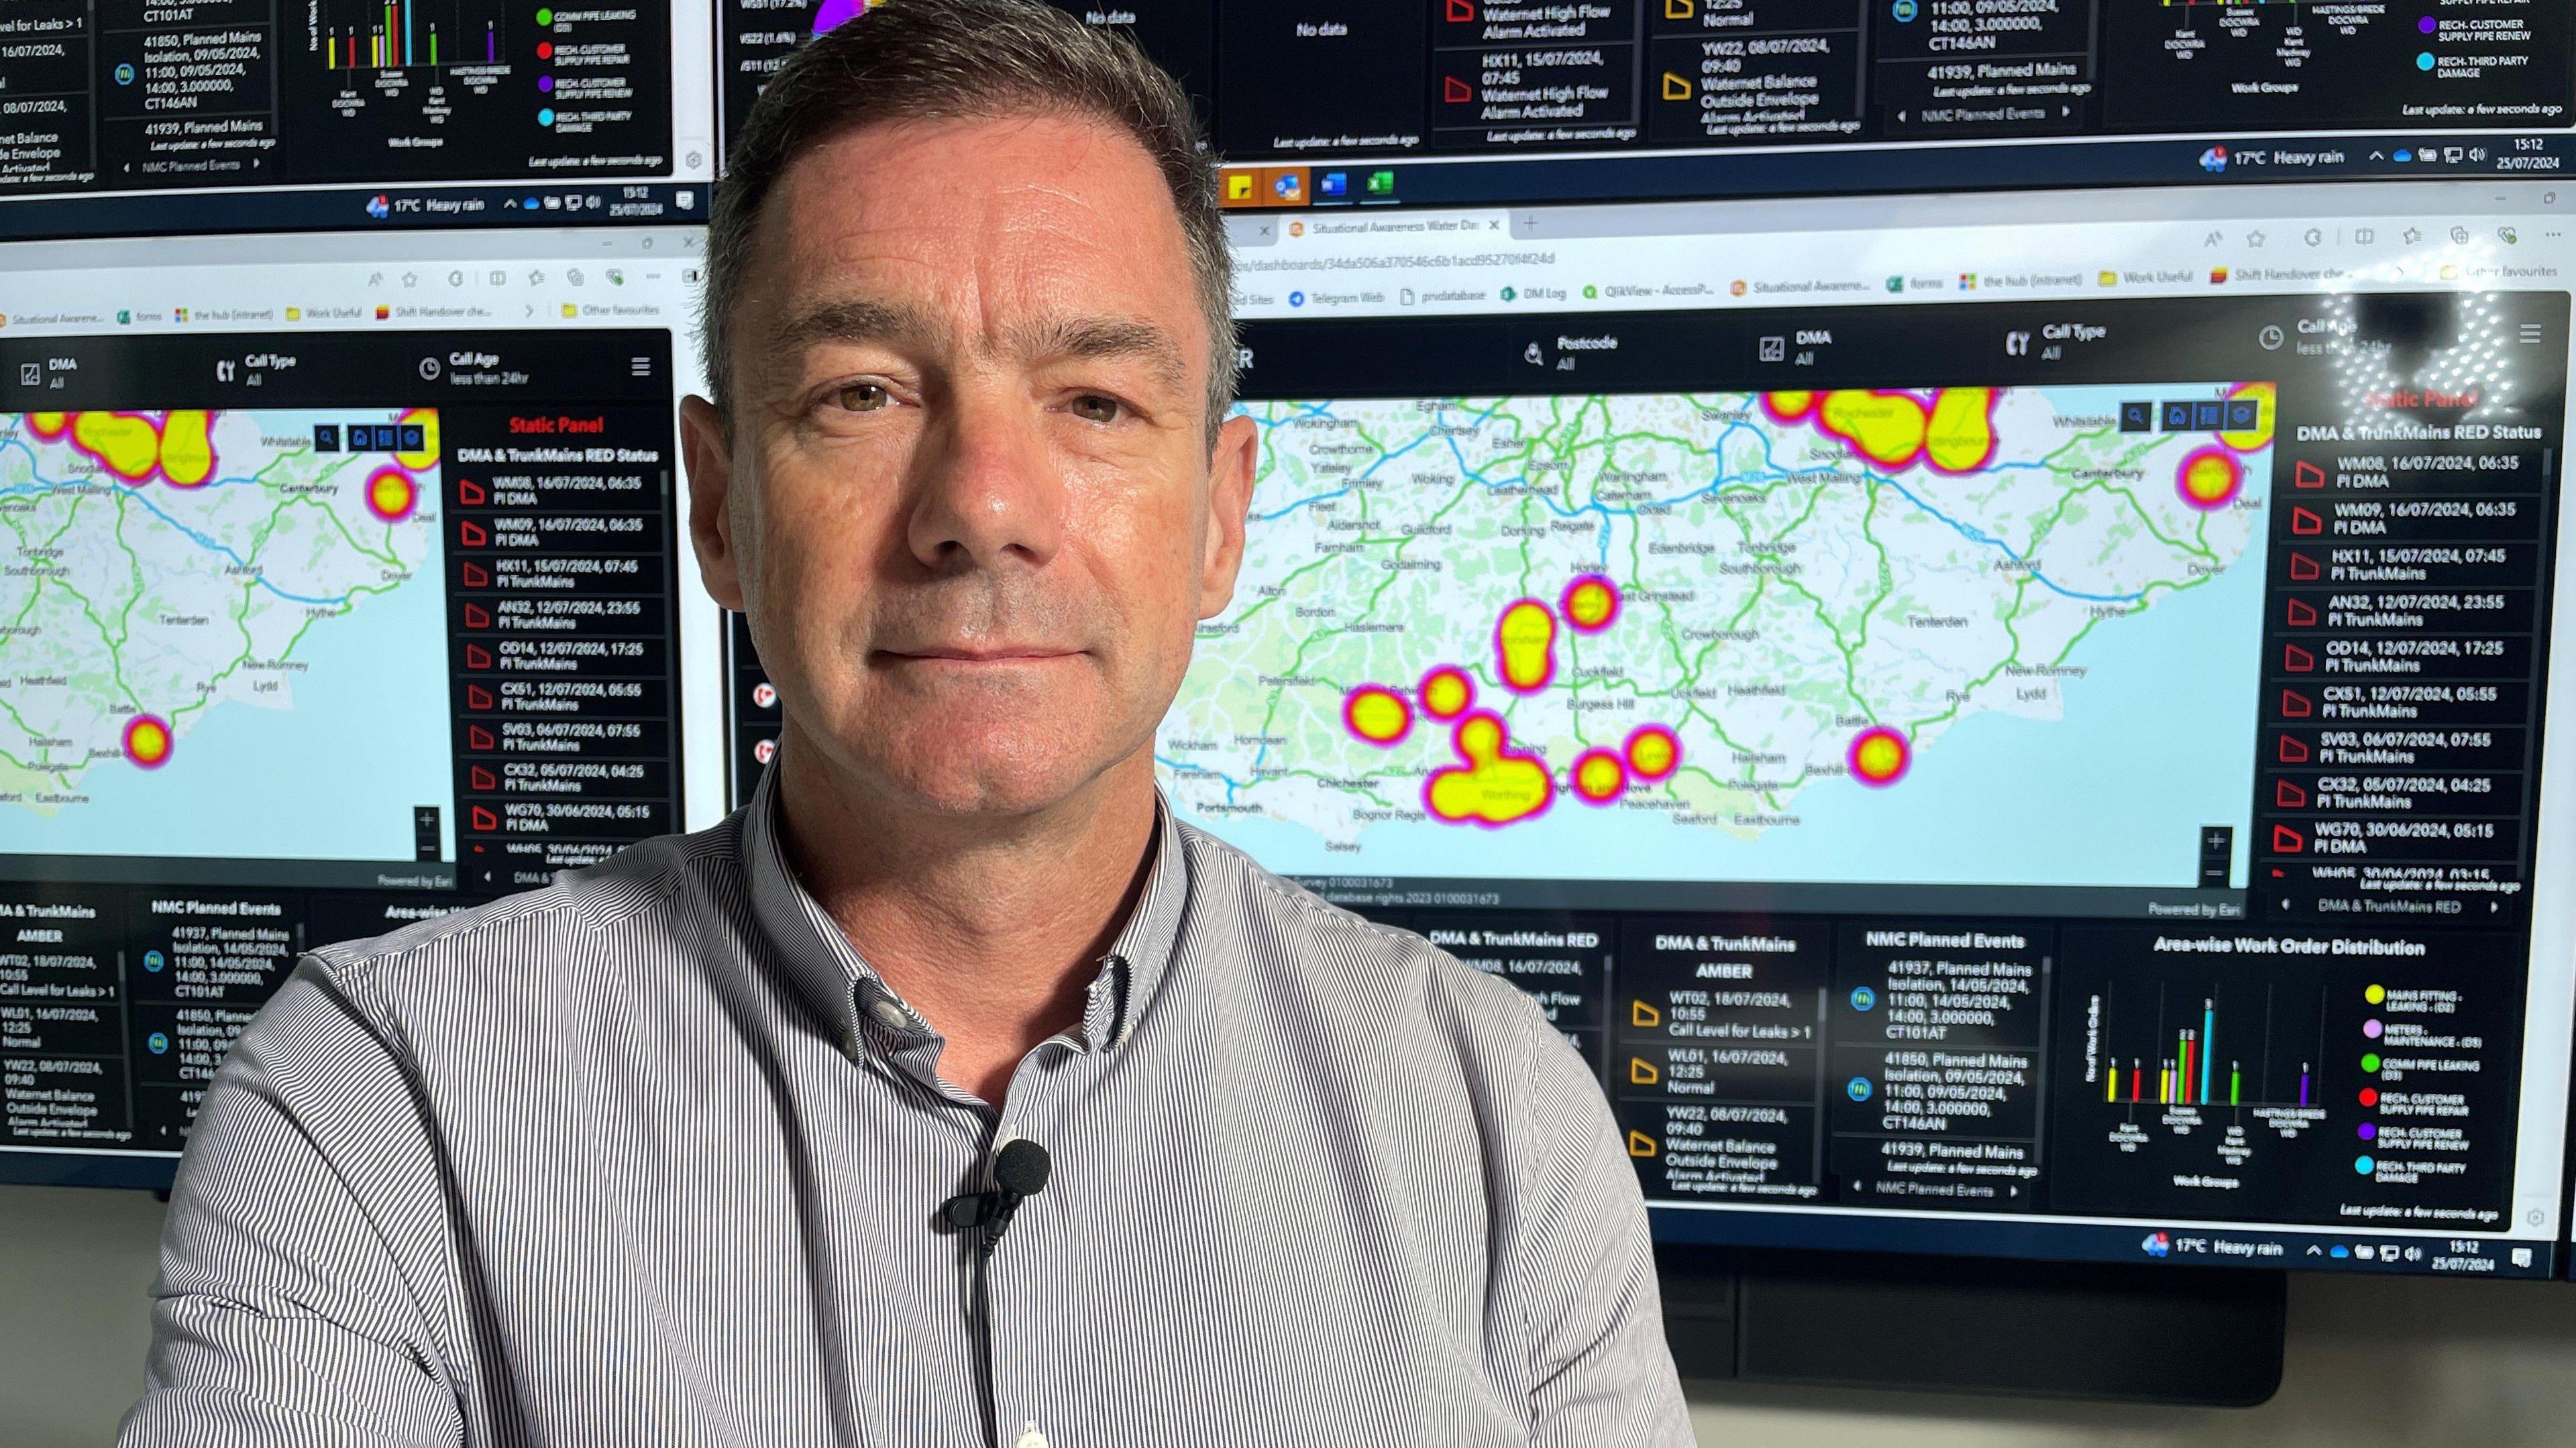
[
  {"x": 345, "y": 208},
  {"x": 2279, "y": 1249},
  {"x": 1876, "y": 170},
  {"x": 1400, "y": 181}
]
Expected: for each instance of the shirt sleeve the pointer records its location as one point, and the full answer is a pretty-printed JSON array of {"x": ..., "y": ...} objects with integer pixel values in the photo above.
[
  {"x": 289, "y": 1311},
  {"x": 1602, "y": 1373}
]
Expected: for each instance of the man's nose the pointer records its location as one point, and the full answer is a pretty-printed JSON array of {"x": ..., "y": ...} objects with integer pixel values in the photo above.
[{"x": 988, "y": 489}]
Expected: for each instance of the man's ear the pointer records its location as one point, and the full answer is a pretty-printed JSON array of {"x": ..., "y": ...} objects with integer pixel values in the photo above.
[
  {"x": 1230, "y": 467},
  {"x": 709, "y": 454}
]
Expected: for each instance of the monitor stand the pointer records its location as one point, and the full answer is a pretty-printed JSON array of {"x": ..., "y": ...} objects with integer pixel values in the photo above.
[{"x": 2184, "y": 1335}]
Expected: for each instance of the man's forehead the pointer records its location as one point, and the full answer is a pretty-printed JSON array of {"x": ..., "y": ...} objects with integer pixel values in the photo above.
[
  {"x": 1040, "y": 185},
  {"x": 1018, "y": 235}
]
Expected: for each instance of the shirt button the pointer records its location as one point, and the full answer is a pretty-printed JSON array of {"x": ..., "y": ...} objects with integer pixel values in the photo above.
[
  {"x": 896, "y": 1018},
  {"x": 1031, "y": 1438}
]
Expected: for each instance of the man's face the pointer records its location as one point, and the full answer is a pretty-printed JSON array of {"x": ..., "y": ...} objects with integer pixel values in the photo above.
[{"x": 967, "y": 497}]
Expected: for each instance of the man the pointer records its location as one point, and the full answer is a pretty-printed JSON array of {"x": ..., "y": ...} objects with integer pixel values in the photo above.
[{"x": 709, "y": 1145}]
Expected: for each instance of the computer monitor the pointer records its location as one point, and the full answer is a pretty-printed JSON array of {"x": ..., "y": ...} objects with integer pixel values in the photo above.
[
  {"x": 353, "y": 114},
  {"x": 1457, "y": 102},
  {"x": 2001, "y": 724},
  {"x": 2010, "y": 726},
  {"x": 343, "y": 587}
]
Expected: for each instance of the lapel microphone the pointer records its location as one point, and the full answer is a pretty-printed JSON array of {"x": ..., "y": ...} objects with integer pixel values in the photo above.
[{"x": 1020, "y": 1171}]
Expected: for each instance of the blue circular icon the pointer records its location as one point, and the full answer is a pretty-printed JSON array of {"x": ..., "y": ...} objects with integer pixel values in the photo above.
[
  {"x": 546, "y": 116},
  {"x": 2424, "y": 61},
  {"x": 1863, "y": 998},
  {"x": 1296, "y": 299},
  {"x": 1903, "y": 10},
  {"x": 125, "y": 72},
  {"x": 159, "y": 1043},
  {"x": 1858, "y": 1088},
  {"x": 2364, "y": 1166},
  {"x": 153, "y": 961}
]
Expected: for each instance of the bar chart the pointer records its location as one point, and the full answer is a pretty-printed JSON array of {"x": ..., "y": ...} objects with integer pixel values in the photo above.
[
  {"x": 2278, "y": 1074},
  {"x": 2180, "y": 1059},
  {"x": 395, "y": 36}
]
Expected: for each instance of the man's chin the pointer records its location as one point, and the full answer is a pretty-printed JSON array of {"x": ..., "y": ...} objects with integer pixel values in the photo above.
[{"x": 999, "y": 784}]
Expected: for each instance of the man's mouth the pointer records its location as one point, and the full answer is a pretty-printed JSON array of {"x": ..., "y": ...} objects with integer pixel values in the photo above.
[{"x": 977, "y": 654}]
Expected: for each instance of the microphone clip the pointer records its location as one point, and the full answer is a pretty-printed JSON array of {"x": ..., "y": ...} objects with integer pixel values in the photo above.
[{"x": 1020, "y": 1171}]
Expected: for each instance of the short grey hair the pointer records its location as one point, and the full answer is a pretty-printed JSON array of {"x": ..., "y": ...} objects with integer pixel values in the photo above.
[{"x": 940, "y": 60}]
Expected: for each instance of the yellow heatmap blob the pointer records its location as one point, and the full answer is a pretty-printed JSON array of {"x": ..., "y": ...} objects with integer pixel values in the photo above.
[
  {"x": 127, "y": 444},
  {"x": 1878, "y": 756},
  {"x": 2210, "y": 479},
  {"x": 1590, "y": 603},
  {"x": 147, "y": 741},
  {"x": 1599, "y": 777},
  {"x": 1961, "y": 436},
  {"x": 1525, "y": 643},
  {"x": 1887, "y": 427},
  {"x": 48, "y": 424},
  {"x": 2263, "y": 395},
  {"x": 1494, "y": 786},
  {"x": 1653, "y": 752},
  {"x": 1446, "y": 693},
  {"x": 1377, "y": 715},
  {"x": 391, "y": 494},
  {"x": 188, "y": 448},
  {"x": 1789, "y": 406}
]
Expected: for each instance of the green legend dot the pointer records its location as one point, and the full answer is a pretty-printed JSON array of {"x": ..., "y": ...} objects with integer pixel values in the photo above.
[
  {"x": 2370, "y": 1061},
  {"x": 2375, "y": 994},
  {"x": 545, "y": 17}
]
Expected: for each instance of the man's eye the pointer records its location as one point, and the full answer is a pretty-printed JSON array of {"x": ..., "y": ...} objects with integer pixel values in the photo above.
[
  {"x": 1092, "y": 407},
  {"x": 863, "y": 397}
]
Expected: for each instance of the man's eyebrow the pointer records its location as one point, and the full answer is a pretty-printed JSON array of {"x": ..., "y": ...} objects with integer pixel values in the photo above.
[
  {"x": 851, "y": 320},
  {"x": 857, "y": 319},
  {"x": 1109, "y": 337}
]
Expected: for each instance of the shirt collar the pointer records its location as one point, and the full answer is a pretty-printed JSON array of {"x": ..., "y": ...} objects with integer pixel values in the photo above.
[{"x": 857, "y": 1004}]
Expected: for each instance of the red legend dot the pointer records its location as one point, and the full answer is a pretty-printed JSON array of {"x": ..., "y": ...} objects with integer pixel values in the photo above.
[
  {"x": 2369, "y": 1096},
  {"x": 545, "y": 50}
]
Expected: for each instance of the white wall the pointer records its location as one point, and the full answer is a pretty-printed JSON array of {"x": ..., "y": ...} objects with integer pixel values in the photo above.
[{"x": 2373, "y": 1361}]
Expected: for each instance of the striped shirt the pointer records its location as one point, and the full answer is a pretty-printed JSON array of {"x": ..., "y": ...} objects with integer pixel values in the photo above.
[{"x": 653, "y": 1157}]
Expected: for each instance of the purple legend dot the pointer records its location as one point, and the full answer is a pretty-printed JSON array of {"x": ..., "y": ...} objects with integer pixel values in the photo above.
[
  {"x": 2425, "y": 25},
  {"x": 2369, "y": 1132},
  {"x": 2370, "y": 1029},
  {"x": 546, "y": 83}
]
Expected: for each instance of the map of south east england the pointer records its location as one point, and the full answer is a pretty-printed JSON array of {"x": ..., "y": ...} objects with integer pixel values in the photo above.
[
  {"x": 221, "y": 633},
  {"x": 1922, "y": 635}
]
